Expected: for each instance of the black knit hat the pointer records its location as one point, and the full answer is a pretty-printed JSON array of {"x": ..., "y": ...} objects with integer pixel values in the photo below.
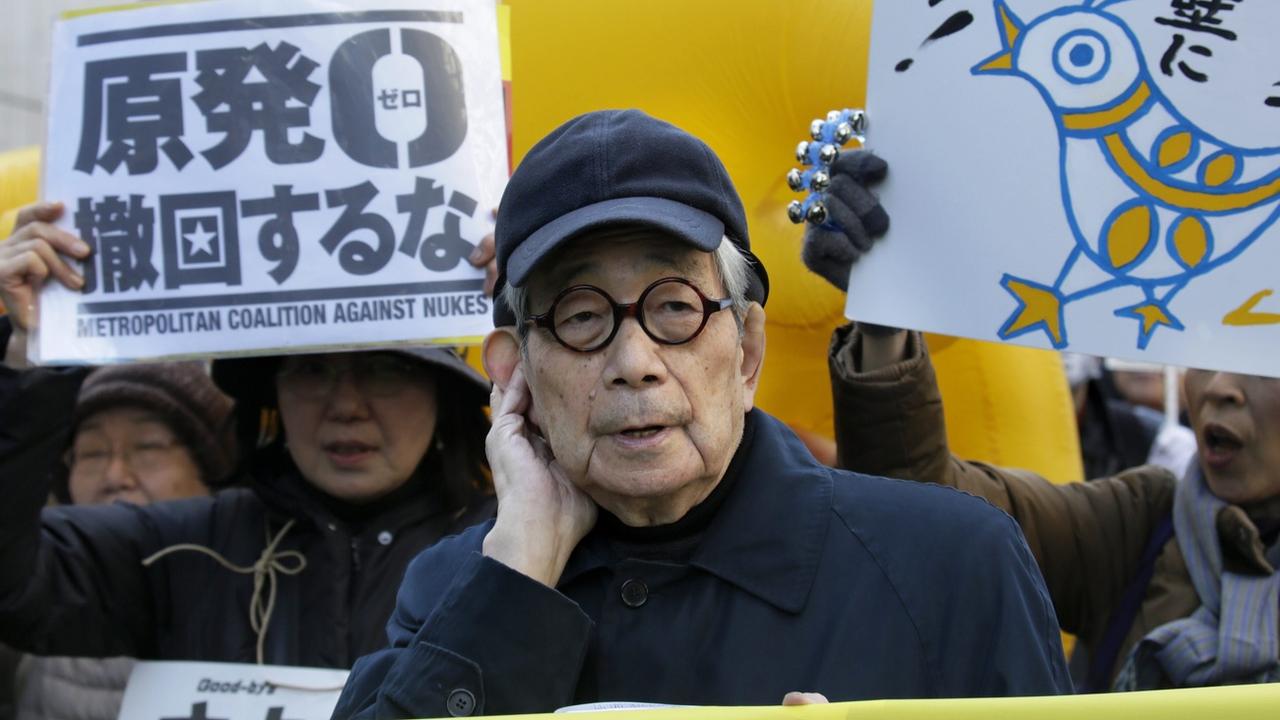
[{"x": 182, "y": 395}]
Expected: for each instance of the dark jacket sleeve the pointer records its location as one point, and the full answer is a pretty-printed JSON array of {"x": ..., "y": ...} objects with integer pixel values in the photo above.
[
  {"x": 1087, "y": 538},
  {"x": 76, "y": 585},
  {"x": 470, "y": 636},
  {"x": 1013, "y": 645},
  {"x": 35, "y": 417},
  {"x": 71, "y": 582}
]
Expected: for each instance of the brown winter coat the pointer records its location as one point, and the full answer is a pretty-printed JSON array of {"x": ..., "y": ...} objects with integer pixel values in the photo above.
[{"x": 1088, "y": 538}]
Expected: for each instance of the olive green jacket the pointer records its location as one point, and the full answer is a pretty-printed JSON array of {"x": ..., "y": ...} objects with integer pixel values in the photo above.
[{"x": 1088, "y": 538}]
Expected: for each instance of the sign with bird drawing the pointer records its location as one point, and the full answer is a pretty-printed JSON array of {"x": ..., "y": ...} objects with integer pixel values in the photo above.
[{"x": 1098, "y": 175}]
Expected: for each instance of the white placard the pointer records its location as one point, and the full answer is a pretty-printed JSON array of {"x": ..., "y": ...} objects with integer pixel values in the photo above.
[
  {"x": 1099, "y": 176},
  {"x": 230, "y": 691},
  {"x": 273, "y": 176}
]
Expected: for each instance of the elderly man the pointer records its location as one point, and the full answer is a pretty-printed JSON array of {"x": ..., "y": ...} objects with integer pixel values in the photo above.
[{"x": 657, "y": 538}]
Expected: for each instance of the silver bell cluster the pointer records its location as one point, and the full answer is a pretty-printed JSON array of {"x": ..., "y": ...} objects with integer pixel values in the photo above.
[{"x": 815, "y": 155}]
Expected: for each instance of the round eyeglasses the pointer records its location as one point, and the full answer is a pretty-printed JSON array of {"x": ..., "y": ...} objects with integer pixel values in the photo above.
[
  {"x": 143, "y": 456},
  {"x": 671, "y": 311}
]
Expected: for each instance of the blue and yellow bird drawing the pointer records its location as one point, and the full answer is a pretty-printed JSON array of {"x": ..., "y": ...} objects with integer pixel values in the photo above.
[{"x": 1182, "y": 202}]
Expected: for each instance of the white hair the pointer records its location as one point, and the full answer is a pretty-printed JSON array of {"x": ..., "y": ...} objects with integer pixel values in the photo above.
[{"x": 732, "y": 269}]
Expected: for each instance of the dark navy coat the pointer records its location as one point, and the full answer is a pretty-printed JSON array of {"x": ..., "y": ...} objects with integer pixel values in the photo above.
[{"x": 807, "y": 578}]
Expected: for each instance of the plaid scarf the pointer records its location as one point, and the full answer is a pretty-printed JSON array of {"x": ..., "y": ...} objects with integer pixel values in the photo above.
[{"x": 1232, "y": 637}]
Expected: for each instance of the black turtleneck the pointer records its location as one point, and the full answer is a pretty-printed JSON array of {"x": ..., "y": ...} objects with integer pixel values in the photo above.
[{"x": 676, "y": 541}]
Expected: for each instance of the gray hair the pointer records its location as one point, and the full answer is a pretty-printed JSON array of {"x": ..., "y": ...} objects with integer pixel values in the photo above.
[{"x": 733, "y": 269}]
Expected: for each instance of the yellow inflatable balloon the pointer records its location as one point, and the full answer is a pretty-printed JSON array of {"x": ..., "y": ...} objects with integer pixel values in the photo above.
[
  {"x": 747, "y": 77},
  {"x": 19, "y": 184}
]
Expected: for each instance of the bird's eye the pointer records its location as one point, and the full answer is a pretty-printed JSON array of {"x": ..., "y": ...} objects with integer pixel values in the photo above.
[{"x": 1082, "y": 56}]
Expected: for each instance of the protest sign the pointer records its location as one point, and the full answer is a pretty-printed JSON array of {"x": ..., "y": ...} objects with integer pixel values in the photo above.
[
  {"x": 228, "y": 691},
  {"x": 1101, "y": 176},
  {"x": 267, "y": 177},
  {"x": 210, "y": 691}
]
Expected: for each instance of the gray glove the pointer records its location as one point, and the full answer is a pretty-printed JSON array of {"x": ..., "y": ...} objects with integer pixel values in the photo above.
[{"x": 854, "y": 218}]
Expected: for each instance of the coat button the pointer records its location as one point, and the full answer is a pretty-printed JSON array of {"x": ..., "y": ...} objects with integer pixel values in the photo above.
[
  {"x": 634, "y": 593},
  {"x": 461, "y": 703},
  {"x": 385, "y": 537}
]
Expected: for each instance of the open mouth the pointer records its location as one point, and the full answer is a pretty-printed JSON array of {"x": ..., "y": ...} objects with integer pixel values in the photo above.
[
  {"x": 1218, "y": 439},
  {"x": 642, "y": 432},
  {"x": 1220, "y": 446}
]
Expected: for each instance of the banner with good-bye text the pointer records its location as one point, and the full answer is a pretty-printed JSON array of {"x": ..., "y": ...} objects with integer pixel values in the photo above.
[
  {"x": 229, "y": 691},
  {"x": 179, "y": 690}
]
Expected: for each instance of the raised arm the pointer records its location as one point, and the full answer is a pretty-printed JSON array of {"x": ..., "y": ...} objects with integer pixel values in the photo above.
[
  {"x": 1088, "y": 538},
  {"x": 71, "y": 579}
]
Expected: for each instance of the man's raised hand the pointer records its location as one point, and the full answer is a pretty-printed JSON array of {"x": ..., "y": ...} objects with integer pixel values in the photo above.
[{"x": 542, "y": 515}]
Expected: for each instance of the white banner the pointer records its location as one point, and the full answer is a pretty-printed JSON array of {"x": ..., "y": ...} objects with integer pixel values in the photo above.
[
  {"x": 230, "y": 691},
  {"x": 265, "y": 177},
  {"x": 1100, "y": 175}
]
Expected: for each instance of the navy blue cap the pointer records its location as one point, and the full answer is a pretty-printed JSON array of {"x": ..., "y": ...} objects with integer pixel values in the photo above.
[{"x": 610, "y": 168}]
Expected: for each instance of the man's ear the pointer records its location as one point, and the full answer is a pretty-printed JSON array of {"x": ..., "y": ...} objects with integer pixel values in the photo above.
[
  {"x": 752, "y": 353},
  {"x": 500, "y": 355}
]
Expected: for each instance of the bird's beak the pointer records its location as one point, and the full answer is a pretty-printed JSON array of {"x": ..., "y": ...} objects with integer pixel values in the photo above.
[{"x": 1010, "y": 28}]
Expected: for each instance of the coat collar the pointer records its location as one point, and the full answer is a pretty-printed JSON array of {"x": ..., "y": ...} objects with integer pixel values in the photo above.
[
  {"x": 768, "y": 536},
  {"x": 1242, "y": 543}
]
